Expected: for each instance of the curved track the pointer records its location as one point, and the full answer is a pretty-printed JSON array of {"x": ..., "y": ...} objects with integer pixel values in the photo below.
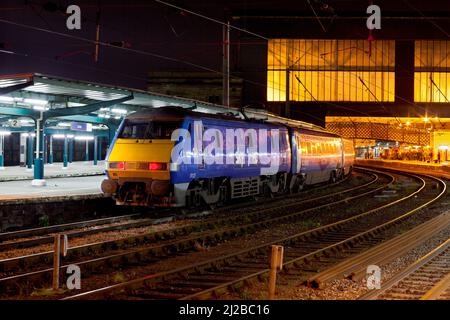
[
  {"x": 320, "y": 246},
  {"x": 426, "y": 279},
  {"x": 37, "y": 236},
  {"x": 216, "y": 231}
]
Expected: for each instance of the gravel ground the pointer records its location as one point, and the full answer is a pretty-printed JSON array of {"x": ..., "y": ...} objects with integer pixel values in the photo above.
[
  {"x": 342, "y": 289},
  {"x": 104, "y": 236},
  {"x": 204, "y": 253},
  {"x": 356, "y": 179}
]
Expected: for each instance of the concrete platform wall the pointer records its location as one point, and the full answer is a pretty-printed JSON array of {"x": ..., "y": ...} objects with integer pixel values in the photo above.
[{"x": 34, "y": 213}]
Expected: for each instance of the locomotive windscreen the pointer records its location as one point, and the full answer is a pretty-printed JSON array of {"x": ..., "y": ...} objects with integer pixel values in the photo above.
[{"x": 148, "y": 130}]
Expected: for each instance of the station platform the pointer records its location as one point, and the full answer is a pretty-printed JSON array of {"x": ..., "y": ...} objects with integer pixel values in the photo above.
[
  {"x": 69, "y": 187},
  {"x": 62, "y": 200},
  {"x": 406, "y": 164},
  {"x": 55, "y": 170}
]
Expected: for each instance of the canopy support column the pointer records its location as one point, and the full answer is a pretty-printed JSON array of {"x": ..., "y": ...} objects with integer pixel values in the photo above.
[
  {"x": 39, "y": 160},
  {"x": 65, "y": 153},
  {"x": 50, "y": 155},
  {"x": 2, "y": 150},
  {"x": 95, "y": 150}
]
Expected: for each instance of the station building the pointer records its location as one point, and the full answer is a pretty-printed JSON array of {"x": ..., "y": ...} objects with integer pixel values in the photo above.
[{"x": 317, "y": 61}]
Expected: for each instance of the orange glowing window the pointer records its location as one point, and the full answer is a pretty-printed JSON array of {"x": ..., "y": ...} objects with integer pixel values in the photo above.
[
  {"x": 432, "y": 71},
  {"x": 330, "y": 70}
]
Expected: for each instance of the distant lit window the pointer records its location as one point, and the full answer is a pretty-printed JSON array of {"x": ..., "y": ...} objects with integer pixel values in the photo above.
[
  {"x": 432, "y": 71},
  {"x": 331, "y": 70}
]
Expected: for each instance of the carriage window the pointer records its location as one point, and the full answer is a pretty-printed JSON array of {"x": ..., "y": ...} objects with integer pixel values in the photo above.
[
  {"x": 304, "y": 148},
  {"x": 318, "y": 148},
  {"x": 148, "y": 130},
  {"x": 134, "y": 131}
]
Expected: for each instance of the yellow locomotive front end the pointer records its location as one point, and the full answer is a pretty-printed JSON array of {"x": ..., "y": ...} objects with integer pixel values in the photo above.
[{"x": 138, "y": 165}]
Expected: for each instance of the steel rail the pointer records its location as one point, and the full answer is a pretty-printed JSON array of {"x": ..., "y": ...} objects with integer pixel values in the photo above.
[
  {"x": 62, "y": 227},
  {"x": 161, "y": 250},
  {"x": 144, "y": 222},
  {"x": 214, "y": 262},
  {"x": 355, "y": 267},
  {"x": 11, "y": 264},
  {"x": 360, "y": 236},
  {"x": 443, "y": 248}
]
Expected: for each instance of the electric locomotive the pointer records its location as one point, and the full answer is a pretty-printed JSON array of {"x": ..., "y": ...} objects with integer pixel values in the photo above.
[{"x": 177, "y": 157}]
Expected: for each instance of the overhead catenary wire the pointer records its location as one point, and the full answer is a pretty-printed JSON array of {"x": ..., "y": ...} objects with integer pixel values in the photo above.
[
  {"x": 148, "y": 54},
  {"x": 185, "y": 61},
  {"x": 267, "y": 39},
  {"x": 158, "y": 55}
]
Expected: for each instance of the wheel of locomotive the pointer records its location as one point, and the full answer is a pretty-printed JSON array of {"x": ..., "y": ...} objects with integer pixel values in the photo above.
[
  {"x": 298, "y": 186},
  {"x": 266, "y": 192},
  {"x": 341, "y": 174},
  {"x": 225, "y": 194},
  {"x": 333, "y": 177},
  {"x": 301, "y": 185}
]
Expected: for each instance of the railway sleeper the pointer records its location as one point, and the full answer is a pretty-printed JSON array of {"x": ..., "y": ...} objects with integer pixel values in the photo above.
[
  {"x": 194, "y": 284},
  {"x": 157, "y": 295}
]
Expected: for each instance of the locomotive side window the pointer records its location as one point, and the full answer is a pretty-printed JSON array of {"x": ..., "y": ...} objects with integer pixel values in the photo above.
[
  {"x": 134, "y": 131},
  {"x": 148, "y": 130}
]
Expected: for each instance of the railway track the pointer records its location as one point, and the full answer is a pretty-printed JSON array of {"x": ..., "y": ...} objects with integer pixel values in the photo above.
[
  {"x": 44, "y": 235},
  {"x": 426, "y": 279},
  {"x": 217, "y": 233},
  {"x": 305, "y": 252}
]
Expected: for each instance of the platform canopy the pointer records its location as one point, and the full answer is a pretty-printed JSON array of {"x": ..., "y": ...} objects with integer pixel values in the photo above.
[{"x": 26, "y": 95}]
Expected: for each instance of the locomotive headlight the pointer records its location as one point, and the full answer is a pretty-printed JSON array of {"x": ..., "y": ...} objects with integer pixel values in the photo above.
[
  {"x": 117, "y": 165},
  {"x": 157, "y": 166}
]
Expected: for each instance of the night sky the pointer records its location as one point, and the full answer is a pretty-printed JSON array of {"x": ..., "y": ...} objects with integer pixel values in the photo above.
[{"x": 142, "y": 25}]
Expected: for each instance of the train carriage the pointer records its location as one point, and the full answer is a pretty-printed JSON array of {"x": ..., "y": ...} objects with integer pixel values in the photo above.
[
  {"x": 172, "y": 156},
  {"x": 176, "y": 157}
]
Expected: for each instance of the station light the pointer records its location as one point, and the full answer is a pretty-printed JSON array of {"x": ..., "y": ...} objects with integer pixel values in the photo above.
[
  {"x": 408, "y": 123},
  {"x": 40, "y": 108},
  {"x": 100, "y": 127},
  {"x": 76, "y": 104},
  {"x": 62, "y": 136},
  {"x": 36, "y": 101},
  {"x": 28, "y": 135},
  {"x": 117, "y": 117},
  {"x": 121, "y": 111},
  {"x": 6, "y": 99},
  {"x": 425, "y": 119},
  {"x": 26, "y": 121},
  {"x": 84, "y": 138},
  {"x": 64, "y": 124}
]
